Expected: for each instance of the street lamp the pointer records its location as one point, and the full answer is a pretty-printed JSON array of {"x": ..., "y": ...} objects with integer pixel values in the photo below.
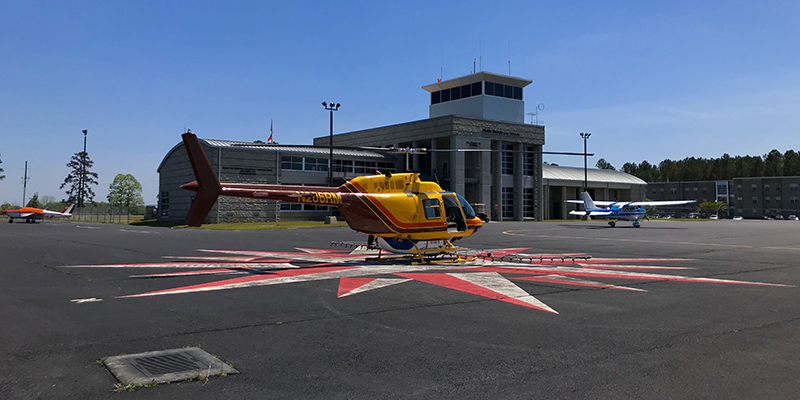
[
  {"x": 585, "y": 137},
  {"x": 83, "y": 171},
  {"x": 331, "y": 107}
]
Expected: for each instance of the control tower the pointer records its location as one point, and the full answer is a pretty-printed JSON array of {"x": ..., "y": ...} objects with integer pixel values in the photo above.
[{"x": 481, "y": 95}]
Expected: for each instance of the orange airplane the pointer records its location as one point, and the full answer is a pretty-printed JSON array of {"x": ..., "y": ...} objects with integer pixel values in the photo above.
[{"x": 31, "y": 214}]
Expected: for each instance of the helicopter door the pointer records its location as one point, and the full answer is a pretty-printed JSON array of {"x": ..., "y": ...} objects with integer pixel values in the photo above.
[{"x": 452, "y": 210}]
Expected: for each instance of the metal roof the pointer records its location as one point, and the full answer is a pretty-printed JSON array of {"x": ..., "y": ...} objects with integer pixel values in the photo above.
[
  {"x": 593, "y": 175},
  {"x": 299, "y": 149},
  {"x": 477, "y": 77}
]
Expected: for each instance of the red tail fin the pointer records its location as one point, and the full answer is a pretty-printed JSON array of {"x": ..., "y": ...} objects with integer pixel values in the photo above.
[{"x": 207, "y": 185}]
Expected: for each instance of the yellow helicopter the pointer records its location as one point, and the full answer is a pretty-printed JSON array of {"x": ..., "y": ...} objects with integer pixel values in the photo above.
[{"x": 405, "y": 214}]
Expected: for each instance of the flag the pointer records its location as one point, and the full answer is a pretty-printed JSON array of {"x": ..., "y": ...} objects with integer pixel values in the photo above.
[{"x": 270, "y": 131}]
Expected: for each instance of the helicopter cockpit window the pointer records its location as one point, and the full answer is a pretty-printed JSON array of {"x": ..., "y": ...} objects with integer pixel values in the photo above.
[
  {"x": 432, "y": 209},
  {"x": 469, "y": 213}
]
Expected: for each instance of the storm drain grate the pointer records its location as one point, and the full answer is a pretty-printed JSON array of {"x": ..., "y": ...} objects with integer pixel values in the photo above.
[{"x": 166, "y": 366}]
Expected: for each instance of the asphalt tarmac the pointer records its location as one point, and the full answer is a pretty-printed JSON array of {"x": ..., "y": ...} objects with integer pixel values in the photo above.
[{"x": 421, "y": 334}]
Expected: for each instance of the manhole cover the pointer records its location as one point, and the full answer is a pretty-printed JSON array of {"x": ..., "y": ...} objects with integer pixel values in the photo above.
[{"x": 166, "y": 366}]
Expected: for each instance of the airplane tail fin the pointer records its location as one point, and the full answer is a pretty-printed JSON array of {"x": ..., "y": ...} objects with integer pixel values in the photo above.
[
  {"x": 588, "y": 203},
  {"x": 207, "y": 185},
  {"x": 69, "y": 208}
]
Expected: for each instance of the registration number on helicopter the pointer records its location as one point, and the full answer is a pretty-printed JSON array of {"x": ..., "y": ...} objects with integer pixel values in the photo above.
[{"x": 320, "y": 197}]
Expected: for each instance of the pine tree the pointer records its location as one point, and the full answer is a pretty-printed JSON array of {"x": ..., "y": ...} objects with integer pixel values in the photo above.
[
  {"x": 34, "y": 201},
  {"x": 79, "y": 190}
]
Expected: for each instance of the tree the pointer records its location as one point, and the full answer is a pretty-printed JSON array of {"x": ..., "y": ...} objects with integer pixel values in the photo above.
[
  {"x": 713, "y": 207},
  {"x": 603, "y": 164},
  {"x": 79, "y": 180},
  {"x": 773, "y": 163},
  {"x": 125, "y": 191},
  {"x": 8, "y": 206},
  {"x": 34, "y": 201}
]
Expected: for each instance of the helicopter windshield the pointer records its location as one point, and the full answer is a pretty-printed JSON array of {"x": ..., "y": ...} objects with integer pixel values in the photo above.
[{"x": 469, "y": 213}]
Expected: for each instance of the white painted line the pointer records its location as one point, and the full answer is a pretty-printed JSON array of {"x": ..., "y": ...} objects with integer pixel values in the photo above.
[{"x": 89, "y": 300}]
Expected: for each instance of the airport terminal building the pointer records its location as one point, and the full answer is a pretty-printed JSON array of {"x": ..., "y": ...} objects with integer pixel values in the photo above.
[{"x": 476, "y": 142}]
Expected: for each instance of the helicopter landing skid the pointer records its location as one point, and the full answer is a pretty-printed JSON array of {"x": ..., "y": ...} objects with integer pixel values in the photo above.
[{"x": 425, "y": 256}]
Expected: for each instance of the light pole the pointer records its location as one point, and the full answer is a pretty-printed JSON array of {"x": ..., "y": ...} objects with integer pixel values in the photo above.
[
  {"x": 331, "y": 107},
  {"x": 585, "y": 137},
  {"x": 83, "y": 171}
]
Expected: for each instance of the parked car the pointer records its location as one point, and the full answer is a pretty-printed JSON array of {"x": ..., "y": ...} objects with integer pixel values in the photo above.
[
  {"x": 779, "y": 216},
  {"x": 738, "y": 218},
  {"x": 793, "y": 218},
  {"x": 713, "y": 216}
]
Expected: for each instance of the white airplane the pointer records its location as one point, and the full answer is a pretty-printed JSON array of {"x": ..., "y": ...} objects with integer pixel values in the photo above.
[
  {"x": 31, "y": 214},
  {"x": 619, "y": 210}
]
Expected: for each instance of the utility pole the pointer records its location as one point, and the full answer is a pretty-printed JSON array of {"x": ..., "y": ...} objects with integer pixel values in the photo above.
[
  {"x": 585, "y": 137},
  {"x": 331, "y": 107},
  {"x": 83, "y": 171},
  {"x": 24, "y": 184}
]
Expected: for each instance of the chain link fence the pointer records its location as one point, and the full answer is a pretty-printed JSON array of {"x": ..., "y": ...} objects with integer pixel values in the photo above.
[{"x": 108, "y": 214}]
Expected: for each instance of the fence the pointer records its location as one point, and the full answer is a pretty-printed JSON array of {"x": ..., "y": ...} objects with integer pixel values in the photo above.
[{"x": 108, "y": 214}]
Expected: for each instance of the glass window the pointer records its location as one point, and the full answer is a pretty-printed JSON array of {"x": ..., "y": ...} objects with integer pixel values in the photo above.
[
  {"x": 432, "y": 208},
  {"x": 316, "y": 164},
  {"x": 469, "y": 213},
  {"x": 508, "y": 202},
  {"x": 292, "y": 163},
  {"x": 527, "y": 203},
  {"x": 476, "y": 88},
  {"x": 291, "y": 206},
  {"x": 466, "y": 91},
  {"x": 455, "y": 93},
  {"x": 436, "y": 97},
  {"x": 508, "y": 91},
  {"x": 507, "y": 159},
  {"x": 385, "y": 167},
  {"x": 528, "y": 162},
  {"x": 445, "y": 95},
  {"x": 342, "y": 166},
  {"x": 361, "y": 167},
  {"x": 518, "y": 93},
  {"x": 489, "y": 88}
]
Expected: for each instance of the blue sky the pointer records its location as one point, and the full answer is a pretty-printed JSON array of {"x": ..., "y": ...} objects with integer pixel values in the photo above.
[{"x": 650, "y": 80}]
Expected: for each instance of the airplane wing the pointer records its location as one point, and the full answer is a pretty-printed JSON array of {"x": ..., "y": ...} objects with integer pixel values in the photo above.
[
  {"x": 17, "y": 213},
  {"x": 596, "y": 202},
  {"x": 661, "y": 203}
]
